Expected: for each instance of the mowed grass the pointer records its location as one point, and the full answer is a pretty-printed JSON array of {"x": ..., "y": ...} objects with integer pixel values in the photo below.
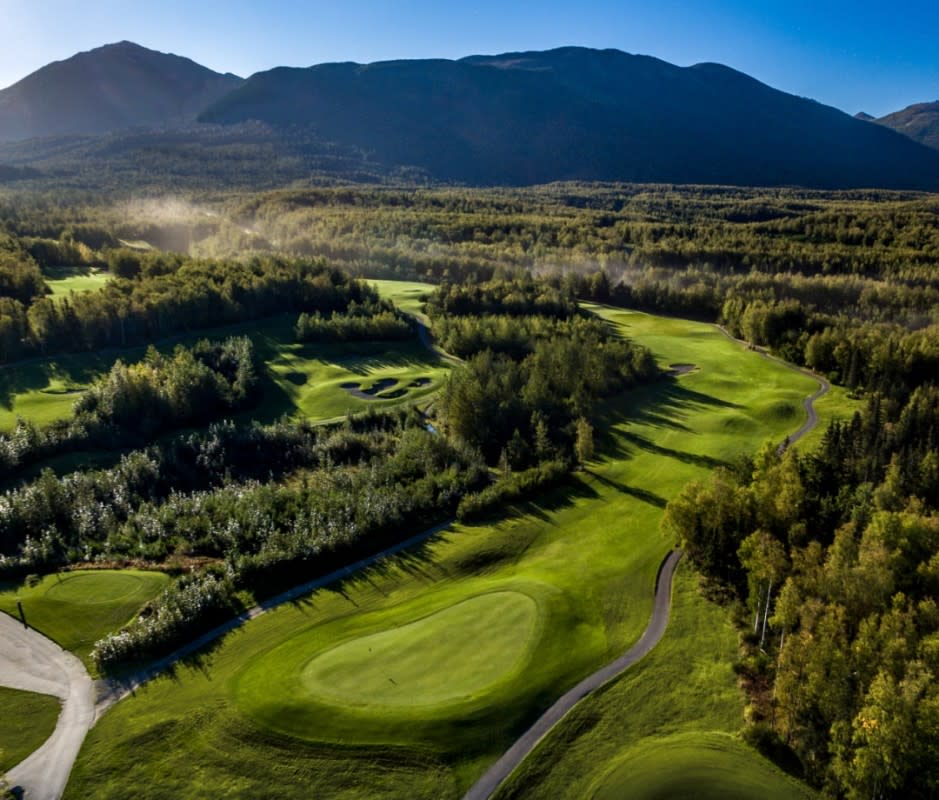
[
  {"x": 665, "y": 729},
  {"x": 409, "y": 296},
  {"x": 254, "y": 712},
  {"x": 707, "y": 766},
  {"x": 26, "y": 720},
  {"x": 75, "y": 609},
  {"x": 65, "y": 280},
  {"x": 299, "y": 380}
]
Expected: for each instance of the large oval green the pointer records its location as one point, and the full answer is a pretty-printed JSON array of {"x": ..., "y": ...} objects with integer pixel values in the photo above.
[{"x": 446, "y": 657}]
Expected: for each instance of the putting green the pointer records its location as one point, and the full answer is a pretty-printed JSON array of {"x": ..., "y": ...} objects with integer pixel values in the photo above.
[
  {"x": 587, "y": 553},
  {"x": 76, "y": 609},
  {"x": 431, "y": 661},
  {"x": 86, "y": 588},
  {"x": 703, "y": 766}
]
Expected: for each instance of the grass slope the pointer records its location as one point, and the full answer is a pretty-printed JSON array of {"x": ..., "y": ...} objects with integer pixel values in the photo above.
[
  {"x": 586, "y": 554},
  {"x": 76, "y": 609},
  {"x": 65, "y": 280},
  {"x": 28, "y": 719},
  {"x": 663, "y": 730},
  {"x": 300, "y": 379}
]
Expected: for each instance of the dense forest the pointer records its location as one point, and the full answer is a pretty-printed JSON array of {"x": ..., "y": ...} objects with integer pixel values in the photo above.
[{"x": 834, "y": 559}]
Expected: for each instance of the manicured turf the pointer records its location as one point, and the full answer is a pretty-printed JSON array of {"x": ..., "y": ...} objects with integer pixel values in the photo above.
[
  {"x": 300, "y": 379},
  {"x": 76, "y": 609},
  {"x": 409, "y": 296},
  {"x": 245, "y": 717},
  {"x": 664, "y": 729},
  {"x": 26, "y": 720},
  {"x": 476, "y": 642},
  {"x": 65, "y": 280},
  {"x": 707, "y": 766}
]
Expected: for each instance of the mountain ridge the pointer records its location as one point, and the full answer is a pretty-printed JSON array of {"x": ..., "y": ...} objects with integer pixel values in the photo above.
[
  {"x": 580, "y": 114},
  {"x": 114, "y": 87},
  {"x": 919, "y": 122},
  {"x": 524, "y": 117}
]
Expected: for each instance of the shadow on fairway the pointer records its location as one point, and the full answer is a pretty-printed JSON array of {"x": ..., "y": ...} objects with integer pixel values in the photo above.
[{"x": 640, "y": 494}]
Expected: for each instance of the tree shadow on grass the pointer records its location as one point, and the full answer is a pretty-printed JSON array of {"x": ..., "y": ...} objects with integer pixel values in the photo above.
[
  {"x": 642, "y": 495},
  {"x": 699, "y": 460}
]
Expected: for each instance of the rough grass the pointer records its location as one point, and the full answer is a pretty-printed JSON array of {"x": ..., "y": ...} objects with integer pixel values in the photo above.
[
  {"x": 587, "y": 554},
  {"x": 706, "y": 766},
  {"x": 300, "y": 379},
  {"x": 75, "y": 609},
  {"x": 27, "y": 720},
  {"x": 65, "y": 280},
  {"x": 662, "y": 730}
]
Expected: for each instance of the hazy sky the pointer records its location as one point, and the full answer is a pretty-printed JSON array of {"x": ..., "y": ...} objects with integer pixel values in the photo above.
[{"x": 871, "y": 56}]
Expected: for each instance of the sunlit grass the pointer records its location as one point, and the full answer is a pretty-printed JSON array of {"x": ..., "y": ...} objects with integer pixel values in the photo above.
[{"x": 252, "y": 713}]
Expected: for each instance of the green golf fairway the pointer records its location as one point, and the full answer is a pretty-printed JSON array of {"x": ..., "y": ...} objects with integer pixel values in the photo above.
[
  {"x": 706, "y": 766},
  {"x": 432, "y": 661},
  {"x": 586, "y": 553},
  {"x": 65, "y": 280},
  {"x": 27, "y": 720},
  {"x": 298, "y": 379},
  {"x": 76, "y": 609}
]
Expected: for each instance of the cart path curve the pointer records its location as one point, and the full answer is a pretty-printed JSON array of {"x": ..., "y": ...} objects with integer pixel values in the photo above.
[
  {"x": 31, "y": 662},
  {"x": 110, "y": 691},
  {"x": 808, "y": 403},
  {"x": 498, "y": 772}
]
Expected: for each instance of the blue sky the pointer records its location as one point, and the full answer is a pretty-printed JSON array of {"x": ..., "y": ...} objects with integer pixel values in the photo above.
[{"x": 872, "y": 56}]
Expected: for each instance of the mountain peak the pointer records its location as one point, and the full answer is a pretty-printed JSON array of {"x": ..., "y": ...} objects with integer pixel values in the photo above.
[{"x": 113, "y": 87}]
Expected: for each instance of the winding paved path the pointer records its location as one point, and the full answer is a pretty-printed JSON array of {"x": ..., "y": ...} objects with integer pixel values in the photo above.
[
  {"x": 487, "y": 785},
  {"x": 498, "y": 772},
  {"x": 33, "y": 663},
  {"x": 808, "y": 403}
]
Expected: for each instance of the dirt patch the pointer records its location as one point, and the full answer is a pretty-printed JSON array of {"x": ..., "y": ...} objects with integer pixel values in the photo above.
[{"x": 681, "y": 369}]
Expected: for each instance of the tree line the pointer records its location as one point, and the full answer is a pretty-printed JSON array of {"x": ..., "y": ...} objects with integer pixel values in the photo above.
[
  {"x": 833, "y": 558},
  {"x": 133, "y": 403}
]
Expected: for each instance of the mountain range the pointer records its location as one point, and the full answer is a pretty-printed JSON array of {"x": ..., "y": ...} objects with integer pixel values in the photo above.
[
  {"x": 517, "y": 118},
  {"x": 920, "y": 122}
]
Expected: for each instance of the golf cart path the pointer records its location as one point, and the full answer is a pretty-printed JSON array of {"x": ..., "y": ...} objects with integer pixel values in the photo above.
[
  {"x": 487, "y": 785},
  {"x": 110, "y": 691},
  {"x": 498, "y": 772},
  {"x": 808, "y": 403},
  {"x": 31, "y": 662}
]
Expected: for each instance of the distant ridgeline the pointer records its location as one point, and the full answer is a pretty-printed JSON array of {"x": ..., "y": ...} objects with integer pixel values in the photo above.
[{"x": 125, "y": 116}]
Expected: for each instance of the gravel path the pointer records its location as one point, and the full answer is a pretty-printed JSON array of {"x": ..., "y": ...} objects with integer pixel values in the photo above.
[
  {"x": 33, "y": 663},
  {"x": 498, "y": 772}
]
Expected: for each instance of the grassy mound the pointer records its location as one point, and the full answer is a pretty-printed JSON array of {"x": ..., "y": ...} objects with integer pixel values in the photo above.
[
  {"x": 587, "y": 554},
  {"x": 707, "y": 766},
  {"x": 28, "y": 719},
  {"x": 76, "y": 609},
  {"x": 449, "y": 656}
]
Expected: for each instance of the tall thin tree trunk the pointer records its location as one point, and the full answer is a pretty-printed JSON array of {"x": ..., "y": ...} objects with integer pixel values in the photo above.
[{"x": 769, "y": 591}]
